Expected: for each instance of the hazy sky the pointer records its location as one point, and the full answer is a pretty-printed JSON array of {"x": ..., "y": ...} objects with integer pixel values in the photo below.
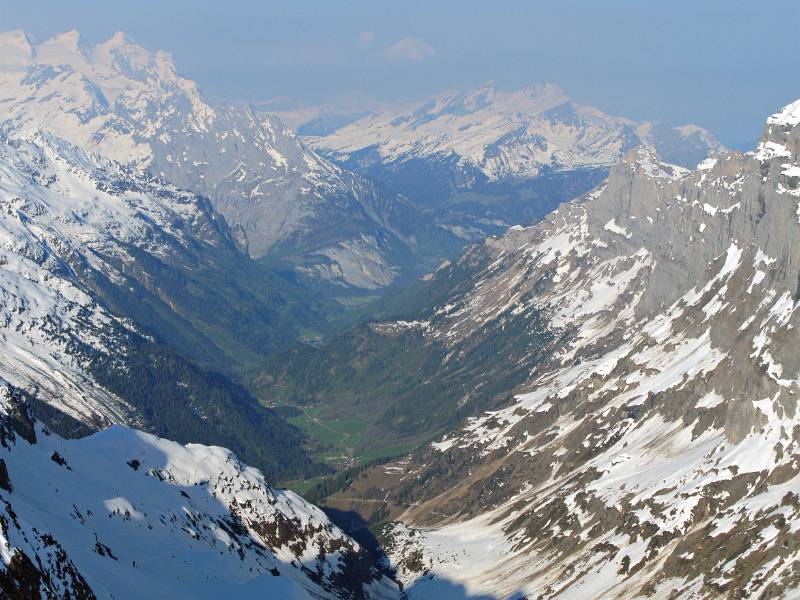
[{"x": 724, "y": 65}]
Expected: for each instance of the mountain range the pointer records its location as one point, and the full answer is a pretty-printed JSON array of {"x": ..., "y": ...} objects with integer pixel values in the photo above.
[
  {"x": 499, "y": 135},
  {"x": 389, "y": 196},
  {"x": 279, "y": 198},
  {"x": 594, "y": 396},
  {"x": 486, "y": 159}
]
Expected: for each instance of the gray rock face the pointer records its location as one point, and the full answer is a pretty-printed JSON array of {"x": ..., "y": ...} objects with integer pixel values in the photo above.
[{"x": 654, "y": 453}]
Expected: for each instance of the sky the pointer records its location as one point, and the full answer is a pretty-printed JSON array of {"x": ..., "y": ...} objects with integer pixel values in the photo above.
[{"x": 724, "y": 65}]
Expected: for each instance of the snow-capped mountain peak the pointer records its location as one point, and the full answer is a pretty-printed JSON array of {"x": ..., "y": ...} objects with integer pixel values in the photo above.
[
  {"x": 780, "y": 138},
  {"x": 129, "y": 104},
  {"x": 789, "y": 115},
  {"x": 15, "y": 51},
  {"x": 64, "y": 49}
]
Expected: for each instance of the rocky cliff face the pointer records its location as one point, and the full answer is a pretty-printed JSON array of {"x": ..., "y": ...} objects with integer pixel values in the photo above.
[
  {"x": 654, "y": 450},
  {"x": 123, "y": 514}
]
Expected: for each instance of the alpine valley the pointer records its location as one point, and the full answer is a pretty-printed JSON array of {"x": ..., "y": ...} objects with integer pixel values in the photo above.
[
  {"x": 508, "y": 346},
  {"x": 624, "y": 379}
]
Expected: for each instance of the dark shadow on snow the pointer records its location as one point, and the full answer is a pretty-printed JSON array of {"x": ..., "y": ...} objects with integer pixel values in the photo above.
[{"x": 354, "y": 525}]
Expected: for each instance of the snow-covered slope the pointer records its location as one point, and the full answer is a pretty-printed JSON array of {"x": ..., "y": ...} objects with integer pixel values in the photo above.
[
  {"x": 508, "y": 135},
  {"x": 128, "y": 104},
  {"x": 652, "y": 451},
  {"x": 110, "y": 280},
  {"x": 124, "y": 514},
  {"x": 63, "y": 217}
]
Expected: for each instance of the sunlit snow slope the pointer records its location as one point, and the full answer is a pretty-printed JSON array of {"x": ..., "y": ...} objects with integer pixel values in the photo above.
[
  {"x": 123, "y": 514},
  {"x": 63, "y": 215}
]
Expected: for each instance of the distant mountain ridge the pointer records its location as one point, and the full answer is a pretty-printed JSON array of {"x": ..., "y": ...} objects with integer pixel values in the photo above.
[
  {"x": 381, "y": 210},
  {"x": 483, "y": 160},
  {"x": 506, "y": 135}
]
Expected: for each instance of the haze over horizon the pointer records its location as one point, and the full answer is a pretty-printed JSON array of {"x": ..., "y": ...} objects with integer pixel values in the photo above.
[{"x": 628, "y": 59}]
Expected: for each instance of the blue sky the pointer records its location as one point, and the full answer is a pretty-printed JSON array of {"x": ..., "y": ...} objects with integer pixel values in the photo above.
[{"x": 722, "y": 65}]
